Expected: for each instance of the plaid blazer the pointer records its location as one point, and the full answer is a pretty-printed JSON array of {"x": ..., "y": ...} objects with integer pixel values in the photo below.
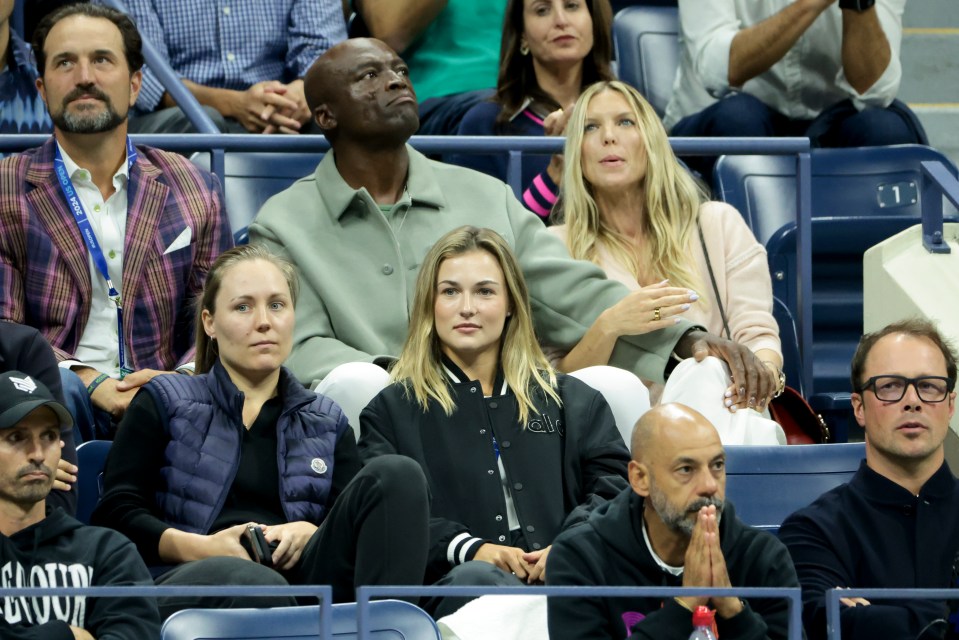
[{"x": 44, "y": 268}]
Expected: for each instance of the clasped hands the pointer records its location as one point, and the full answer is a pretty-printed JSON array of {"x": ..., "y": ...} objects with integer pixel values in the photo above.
[
  {"x": 705, "y": 566},
  {"x": 529, "y": 566},
  {"x": 274, "y": 107}
]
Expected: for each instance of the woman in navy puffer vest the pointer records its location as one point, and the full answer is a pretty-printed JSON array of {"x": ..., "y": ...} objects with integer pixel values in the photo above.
[{"x": 199, "y": 460}]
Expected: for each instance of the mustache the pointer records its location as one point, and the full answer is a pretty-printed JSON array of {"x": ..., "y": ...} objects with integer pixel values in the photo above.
[
  {"x": 85, "y": 91},
  {"x": 713, "y": 501},
  {"x": 33, "y": 468}
]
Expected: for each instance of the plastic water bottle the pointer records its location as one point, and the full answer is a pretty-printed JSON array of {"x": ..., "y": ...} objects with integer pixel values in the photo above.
[{"x": 703, "y": 624}]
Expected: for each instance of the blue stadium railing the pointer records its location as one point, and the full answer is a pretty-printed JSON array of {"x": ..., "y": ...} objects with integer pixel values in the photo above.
[
  {"x": 218, "y": 145},
  {"x": 793, "y": 596},
  {"x": 937, "y": 181},
  {"x": 323, "y": 593}
]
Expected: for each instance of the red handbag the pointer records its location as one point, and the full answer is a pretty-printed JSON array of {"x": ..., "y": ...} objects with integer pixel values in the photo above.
[{"x": 801, "y": 424}]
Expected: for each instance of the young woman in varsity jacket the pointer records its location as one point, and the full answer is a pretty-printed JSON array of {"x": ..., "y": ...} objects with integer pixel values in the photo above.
[{"x": 513, "y": 452}]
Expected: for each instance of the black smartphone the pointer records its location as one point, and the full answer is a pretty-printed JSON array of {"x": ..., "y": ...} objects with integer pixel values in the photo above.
[{"x": 256, "y": 545}]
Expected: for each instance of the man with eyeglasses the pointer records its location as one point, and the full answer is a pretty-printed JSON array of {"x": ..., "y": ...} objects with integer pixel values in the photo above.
[{"x": 896, "y": 523}]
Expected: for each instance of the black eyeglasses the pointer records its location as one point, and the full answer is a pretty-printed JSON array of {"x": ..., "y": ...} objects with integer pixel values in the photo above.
[{"x": 892, "y": 388}]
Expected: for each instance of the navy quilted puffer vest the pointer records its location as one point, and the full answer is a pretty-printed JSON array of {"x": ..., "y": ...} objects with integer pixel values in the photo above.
[{"x": 203, "y": 420}]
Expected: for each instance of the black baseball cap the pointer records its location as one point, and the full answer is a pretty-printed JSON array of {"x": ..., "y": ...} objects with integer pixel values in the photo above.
[{"x": 20, "y": 394}]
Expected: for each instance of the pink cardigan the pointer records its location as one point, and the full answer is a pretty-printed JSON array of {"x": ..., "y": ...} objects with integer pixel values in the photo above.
[{"x": 742, "y": 275}]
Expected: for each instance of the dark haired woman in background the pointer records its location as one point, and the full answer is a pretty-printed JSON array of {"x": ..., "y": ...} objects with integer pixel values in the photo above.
[{"x": 551, "y": 50}]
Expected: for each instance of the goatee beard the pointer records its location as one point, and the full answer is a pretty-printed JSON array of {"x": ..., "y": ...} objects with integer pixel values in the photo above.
[
  {"x": 106, "y": 120},
  {"x": 84, "y": 121}
]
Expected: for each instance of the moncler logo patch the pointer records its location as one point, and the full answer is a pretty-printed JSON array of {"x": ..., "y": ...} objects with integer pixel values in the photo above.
[{"x": 318, "y": 465}]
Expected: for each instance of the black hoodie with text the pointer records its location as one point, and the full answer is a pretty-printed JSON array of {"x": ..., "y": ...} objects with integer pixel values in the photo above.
[{"x": 59, "y": 551}]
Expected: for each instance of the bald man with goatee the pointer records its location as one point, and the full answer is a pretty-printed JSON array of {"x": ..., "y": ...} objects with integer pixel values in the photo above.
[{"x": 672, "y": 527}]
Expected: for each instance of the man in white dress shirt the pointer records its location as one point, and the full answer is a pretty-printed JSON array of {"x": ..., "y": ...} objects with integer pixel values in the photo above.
[
  {"x": 825, "y": 69},
  {"x": 104, "y": 245}
]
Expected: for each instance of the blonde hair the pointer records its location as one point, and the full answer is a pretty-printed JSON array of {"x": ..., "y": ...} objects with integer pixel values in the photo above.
[
  {"x": 524, "y": 366},
  {"x": 672, "y": 199},
  {"x": 206, "y": 349}
]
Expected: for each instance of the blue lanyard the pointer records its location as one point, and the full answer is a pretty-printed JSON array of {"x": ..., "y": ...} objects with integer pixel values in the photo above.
[{"x": 83, "y": 222}]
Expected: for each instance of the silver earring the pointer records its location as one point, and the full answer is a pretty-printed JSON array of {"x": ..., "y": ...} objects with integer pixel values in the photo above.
[{"x": 524, "y": 49}]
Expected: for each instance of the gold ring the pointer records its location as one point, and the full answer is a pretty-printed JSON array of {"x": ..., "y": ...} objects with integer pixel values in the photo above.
[{"x": 657, "y": 314}]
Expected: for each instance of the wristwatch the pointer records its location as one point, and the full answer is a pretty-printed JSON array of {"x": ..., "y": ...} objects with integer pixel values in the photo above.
[{"x": 856, "y": 5}]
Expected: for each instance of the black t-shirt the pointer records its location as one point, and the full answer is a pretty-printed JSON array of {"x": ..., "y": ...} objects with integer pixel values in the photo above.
[{"x": 255, "y": 494}]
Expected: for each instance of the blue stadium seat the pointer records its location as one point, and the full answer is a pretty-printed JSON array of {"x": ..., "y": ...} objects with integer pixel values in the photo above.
[
  {"x": 617, "y": 5},
  {"x": 389, "y": 620},
  {"x": 766, "y": 484},
  {"x": 91, "y": 457},
  {"x": 252, "y": 177},
  {"x": 792, "y": 364},
  {"x": 860, "y": 197},
  {"x": 242, "y": 236},
  {"x": 647, "y": 50}
]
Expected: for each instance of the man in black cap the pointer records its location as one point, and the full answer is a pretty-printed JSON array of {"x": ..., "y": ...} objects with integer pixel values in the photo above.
[
  {"x": 37, "y": 550},
  {"x": 23, "y": 348}
]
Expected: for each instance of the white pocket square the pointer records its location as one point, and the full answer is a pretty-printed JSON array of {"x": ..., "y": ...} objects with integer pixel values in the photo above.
[{"x": 182, "y": 240}]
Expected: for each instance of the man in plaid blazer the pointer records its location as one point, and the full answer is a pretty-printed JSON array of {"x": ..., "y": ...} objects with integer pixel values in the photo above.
[{"x": 158, "y": 219}]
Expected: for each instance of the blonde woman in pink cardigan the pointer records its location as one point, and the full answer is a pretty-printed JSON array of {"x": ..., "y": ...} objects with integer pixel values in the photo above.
[{"x": 629, "y": 206}]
